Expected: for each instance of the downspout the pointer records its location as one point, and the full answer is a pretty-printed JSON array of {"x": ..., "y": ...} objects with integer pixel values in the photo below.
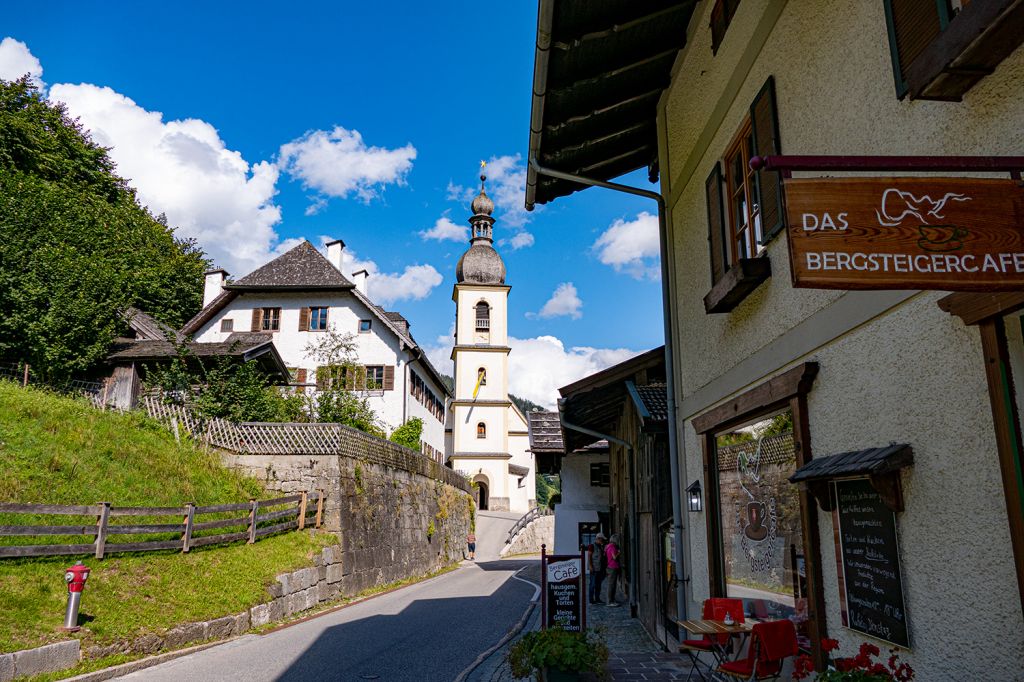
[
  {"x": 631, "y": 501},
  {"x": 673, "y": 445}
]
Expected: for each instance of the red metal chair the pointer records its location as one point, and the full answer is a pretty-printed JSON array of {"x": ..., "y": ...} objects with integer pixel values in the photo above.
[
  {"x": 714, "y": 609},
  {"x": 771, "y": 644}
]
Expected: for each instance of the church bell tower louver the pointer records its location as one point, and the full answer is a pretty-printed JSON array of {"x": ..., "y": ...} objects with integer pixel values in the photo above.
[{"x": 488, "y": 432}]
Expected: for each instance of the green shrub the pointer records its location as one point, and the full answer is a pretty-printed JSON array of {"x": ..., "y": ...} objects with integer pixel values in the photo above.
[
  {"x": 556, "y": 648},
  {"x": 408, "y": 434}
]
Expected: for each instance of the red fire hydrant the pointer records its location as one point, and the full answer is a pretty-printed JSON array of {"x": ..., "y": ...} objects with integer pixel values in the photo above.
[{"x": 75, "y": 577}]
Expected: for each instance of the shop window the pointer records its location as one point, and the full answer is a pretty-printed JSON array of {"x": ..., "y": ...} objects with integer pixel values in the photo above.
[
  {"x": 941, "y": 48},
  {"x": 721, "y": 16},
  {"x": 227, "y": 325},
  {"x": 266, "y": 319},
  {"x": 599, "y": 475},
  {"x": 481, "y": 430},
  {"x": 745, "y": 207},
  {"x": 763, "y": 540}
]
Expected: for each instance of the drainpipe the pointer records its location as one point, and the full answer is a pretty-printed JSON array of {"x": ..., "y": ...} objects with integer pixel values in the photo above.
[
  {"x": 673, "y": 445},
  {"x": 631, "y": 499}
]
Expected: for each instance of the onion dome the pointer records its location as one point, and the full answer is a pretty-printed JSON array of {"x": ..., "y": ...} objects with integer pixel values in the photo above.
[{"x": 481, "y": 264}]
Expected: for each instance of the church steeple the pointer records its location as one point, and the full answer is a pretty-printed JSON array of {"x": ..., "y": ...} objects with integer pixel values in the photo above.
[
  {"x": 481, "y": 264},
  {"x": 482, "y": 208}
]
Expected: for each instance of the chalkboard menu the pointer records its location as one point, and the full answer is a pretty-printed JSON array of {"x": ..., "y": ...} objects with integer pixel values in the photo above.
[
  {"x": 871, "y": 563},
  {"x": 564, "y": 599}
]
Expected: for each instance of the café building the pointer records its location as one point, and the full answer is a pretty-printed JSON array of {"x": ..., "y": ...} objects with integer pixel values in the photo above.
[{"x": 844, "y": 331}]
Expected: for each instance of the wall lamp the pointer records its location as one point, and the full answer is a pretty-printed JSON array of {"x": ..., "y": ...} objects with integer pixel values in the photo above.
[{"x": 693, "y": 496}]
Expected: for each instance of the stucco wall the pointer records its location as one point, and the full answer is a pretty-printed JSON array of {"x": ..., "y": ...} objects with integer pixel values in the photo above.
[
  {"x": 580, "y": 501},
  {"x": 905, "y": 371}
]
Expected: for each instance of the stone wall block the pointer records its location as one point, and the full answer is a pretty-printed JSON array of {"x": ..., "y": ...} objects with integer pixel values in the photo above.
[
  {"x": 259, "y": 615},
  {"x": 241, "y": 623},
  {"x": 180, "y": 635},
  {"x": 333, "y": 573},
  {"x": 6, "y": 667},
  {"x": 321, "y": 573},
  {"x": 149, "y": 643},
  {"x": 328, "y": 591},
  {"x": 46, "y": 659},
  {"x": 284, "y": 581},
  {"x": 220, "y": 628}
]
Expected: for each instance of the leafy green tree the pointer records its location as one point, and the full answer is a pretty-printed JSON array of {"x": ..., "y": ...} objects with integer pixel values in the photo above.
[
  {"x": 76, "y": 248},
  {"x": 408, "y": 434},
  {"x": 337, "y": 375},
  {"x": 547, "y": 487}
]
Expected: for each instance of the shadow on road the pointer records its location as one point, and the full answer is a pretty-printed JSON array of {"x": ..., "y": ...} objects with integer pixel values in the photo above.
[{"x": 430, "y": 639}]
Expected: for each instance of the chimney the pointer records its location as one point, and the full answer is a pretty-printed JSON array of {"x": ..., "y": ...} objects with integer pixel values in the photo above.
[
  {"x": 360, "y": 279},
  {"x": 213, "y": 285},
  {"x": 334, "y": 249}
]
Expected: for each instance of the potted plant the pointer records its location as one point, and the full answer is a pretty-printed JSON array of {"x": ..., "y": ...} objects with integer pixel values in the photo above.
[
  {"x": 859, "y": 668},
  {"x": 558, "y": 656}
]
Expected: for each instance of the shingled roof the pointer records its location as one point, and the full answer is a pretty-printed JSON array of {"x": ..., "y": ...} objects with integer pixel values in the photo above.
[
  {"x": 245, "y": 349},
  {"x": 301, "y": 268},
  {"x": 147, "y": 327},
  {"x": 651, "y": 401},
  {"x": 545, "y": 432}
]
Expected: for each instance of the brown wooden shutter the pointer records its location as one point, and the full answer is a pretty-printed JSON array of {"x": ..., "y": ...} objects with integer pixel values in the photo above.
[
  {"x": 717, "y": 243},
  {"x": 768, "y": 184},
  {"x": 304, "y": 319},
  {"x": 913, "y": 25},
  {"x": 389, "y": 377},
  {"x": 257, "y": 319},
  {"x": 300, "y": 378}
]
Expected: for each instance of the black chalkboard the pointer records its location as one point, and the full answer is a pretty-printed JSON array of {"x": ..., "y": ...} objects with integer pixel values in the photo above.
[
  {"x": 563, "y": 578},
  {"x": 871, "y": 563}
]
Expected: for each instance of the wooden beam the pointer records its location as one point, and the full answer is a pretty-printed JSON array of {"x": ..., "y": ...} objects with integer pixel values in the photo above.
[
  {"x": 772, "y": 393},
  {"x": 973, "y": 307},
  {"x": 1008, "y": 434}
]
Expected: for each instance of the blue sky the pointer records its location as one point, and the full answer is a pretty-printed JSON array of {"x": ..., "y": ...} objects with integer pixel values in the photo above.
[{"x": 254, "y": 124}]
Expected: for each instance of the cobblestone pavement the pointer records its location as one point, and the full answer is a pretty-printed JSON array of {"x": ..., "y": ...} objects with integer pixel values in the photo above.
[{"x": 634, "y": 655}]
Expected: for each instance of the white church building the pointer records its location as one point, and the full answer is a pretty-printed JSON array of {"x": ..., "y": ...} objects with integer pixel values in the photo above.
[
  {"x": 488, "y": 438},
  {"x": 296, "y": 298}
]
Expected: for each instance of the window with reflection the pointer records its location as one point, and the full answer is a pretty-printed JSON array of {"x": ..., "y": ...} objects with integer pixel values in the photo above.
[{"x": 761, "y": 536}]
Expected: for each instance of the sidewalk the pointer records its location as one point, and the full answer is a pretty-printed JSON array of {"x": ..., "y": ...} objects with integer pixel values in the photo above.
[{"x": 633, "y": 654}]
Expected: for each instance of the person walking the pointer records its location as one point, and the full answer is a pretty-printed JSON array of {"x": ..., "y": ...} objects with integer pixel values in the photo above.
[
  {"x": 471, "y": 545},
  {"x": 597, "y": 568},
  {"x": 613, "y": 560}
]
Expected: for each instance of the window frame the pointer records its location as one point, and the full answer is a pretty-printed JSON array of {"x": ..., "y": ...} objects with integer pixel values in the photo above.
[
  {"x": 485, "y": 307},
  {"x": 603, "y": 474},
  {"x": 722, "y": 12},
  {"x": 369, "y": 326},
  {"x": 481, "y": 430},
  {"x": 314, "y": 314},
  {"x": 371, "y": 384},
  {"x": 227, "y": 325},
  {"x": 270, "y": 319},
  {"x": 742, "y": 147}
]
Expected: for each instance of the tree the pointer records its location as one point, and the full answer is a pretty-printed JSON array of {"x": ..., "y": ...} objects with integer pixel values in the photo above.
[
  {"x": 337, "y": 375},
  {"x": 408, "y": 434},
  {"x": 76, "y": 248}
]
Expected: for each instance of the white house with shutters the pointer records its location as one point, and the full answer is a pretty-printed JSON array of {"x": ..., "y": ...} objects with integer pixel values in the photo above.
[
  {"x": 296, "y": 298},
  {"x": 489, "y": 440}
]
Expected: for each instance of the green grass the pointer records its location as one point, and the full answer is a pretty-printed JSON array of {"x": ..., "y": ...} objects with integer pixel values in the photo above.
[{"x": 59, "y": 450}]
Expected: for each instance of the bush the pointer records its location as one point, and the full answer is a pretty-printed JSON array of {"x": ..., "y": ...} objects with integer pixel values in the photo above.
[
  {"x": 556, "y": 648},
  {"x": 408, "y": 434}
]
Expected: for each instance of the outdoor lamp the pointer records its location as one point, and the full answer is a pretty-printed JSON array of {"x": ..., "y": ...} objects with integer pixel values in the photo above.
[{"x": 693, "y": 496}]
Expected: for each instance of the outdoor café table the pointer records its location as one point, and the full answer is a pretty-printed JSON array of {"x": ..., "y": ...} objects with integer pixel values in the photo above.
[{"x": 709, "y": 628}]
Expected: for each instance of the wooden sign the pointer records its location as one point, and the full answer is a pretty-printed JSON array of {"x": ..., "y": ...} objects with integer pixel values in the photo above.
[
  {"x": 564, "y": 591},
  {"x": 953, "y": 234},
  {"x": 871, "y": 564}
]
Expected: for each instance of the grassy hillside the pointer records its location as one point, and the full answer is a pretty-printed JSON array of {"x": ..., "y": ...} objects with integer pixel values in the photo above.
[{"x": 59, "y": 450}]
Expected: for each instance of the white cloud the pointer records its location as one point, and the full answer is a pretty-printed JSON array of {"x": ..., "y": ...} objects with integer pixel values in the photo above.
[
  {"x": 631, "y": 246},
  {"x": 415, "y": 282},
  {"x": 445, "y": 230},
  {"x": 564, "y": 302},
  {"x": 184, "y": 169},
  {"x": 16, "y": 60},
  {"x": 338, "y": 163},
  {"x": 539, "y": 366},
  {"x": 518, "y": 241}
]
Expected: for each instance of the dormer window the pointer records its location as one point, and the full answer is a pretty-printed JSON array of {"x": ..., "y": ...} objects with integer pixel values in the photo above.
[
  {"x": 481, "y": 430},
  {"x": 483, "y": 316}
]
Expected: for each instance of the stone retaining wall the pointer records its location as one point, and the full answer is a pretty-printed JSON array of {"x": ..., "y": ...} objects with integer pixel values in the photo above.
[
  {"x": 45, "y": 659},
  {"x": 540, "y": 531}
]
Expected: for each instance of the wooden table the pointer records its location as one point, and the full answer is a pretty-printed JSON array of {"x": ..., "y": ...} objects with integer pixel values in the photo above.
[{"x": 715, "y": 627}]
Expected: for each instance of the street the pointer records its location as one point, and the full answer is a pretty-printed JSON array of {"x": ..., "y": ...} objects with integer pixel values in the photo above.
[{"x": 428, "y": 631}]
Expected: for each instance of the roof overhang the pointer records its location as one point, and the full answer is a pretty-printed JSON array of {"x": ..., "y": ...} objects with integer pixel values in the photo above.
[
  {"x": 599, "y": 71},
  {"x": 881, "y": 466}
]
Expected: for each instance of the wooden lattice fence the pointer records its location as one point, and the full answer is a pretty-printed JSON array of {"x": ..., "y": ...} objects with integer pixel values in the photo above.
[{"x": 267, "y": 438}]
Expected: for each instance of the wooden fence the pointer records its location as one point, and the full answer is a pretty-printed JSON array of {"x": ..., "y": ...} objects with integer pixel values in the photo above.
[
  {"x": 269, "y": 438},
  {"x": 295, "y": 513}
]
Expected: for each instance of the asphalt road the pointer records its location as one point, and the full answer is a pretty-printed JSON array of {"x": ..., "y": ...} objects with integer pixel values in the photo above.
[{"x": 429, "y": 631}]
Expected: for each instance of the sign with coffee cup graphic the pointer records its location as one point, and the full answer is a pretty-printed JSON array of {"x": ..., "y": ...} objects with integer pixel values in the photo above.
[{"x": 952, "y": 234}]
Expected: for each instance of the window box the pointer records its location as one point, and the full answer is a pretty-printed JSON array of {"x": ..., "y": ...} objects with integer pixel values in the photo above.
[{"x": 742, "y": 278}]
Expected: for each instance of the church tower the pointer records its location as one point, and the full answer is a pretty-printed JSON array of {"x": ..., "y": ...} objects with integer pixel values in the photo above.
[{"x": 489, "y": 440}]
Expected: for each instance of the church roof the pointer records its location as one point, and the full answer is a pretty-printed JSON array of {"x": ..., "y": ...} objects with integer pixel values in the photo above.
[
  {"x": 303, "y": 267},
  {"x": 481, "y": 264}
]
